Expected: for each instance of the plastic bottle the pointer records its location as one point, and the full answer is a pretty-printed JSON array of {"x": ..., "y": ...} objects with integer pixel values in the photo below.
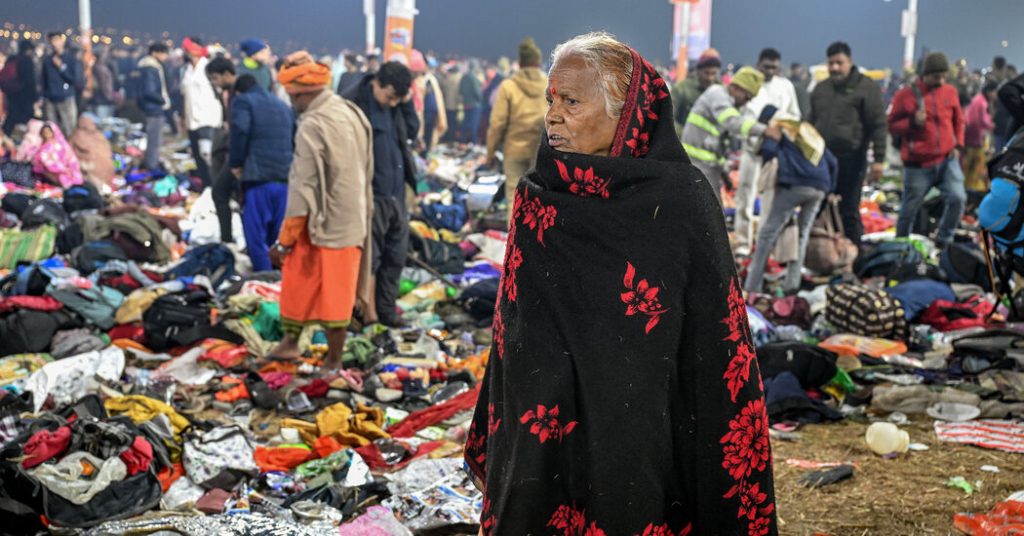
[{"x": 885, "y": 438}]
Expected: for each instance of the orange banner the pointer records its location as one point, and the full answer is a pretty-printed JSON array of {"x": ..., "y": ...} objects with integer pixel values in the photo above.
[{"x": 398, "y": 39}]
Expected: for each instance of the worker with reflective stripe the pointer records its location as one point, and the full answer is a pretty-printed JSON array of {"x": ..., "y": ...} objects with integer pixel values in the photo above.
[{"x": 715, "y": 116}]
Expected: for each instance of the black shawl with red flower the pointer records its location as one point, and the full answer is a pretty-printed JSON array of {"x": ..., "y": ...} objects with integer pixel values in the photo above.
[{"x": 622, "y": 396}]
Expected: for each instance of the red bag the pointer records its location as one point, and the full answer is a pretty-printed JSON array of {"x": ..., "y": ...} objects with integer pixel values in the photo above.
[{"x": 950, "y": 316}]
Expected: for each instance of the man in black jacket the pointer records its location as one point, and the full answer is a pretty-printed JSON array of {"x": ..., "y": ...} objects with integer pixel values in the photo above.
[
  {"x": 18, "y": 82},
  {"x": 60, "y": 75},
  {"x": 150, "y": 85},
  {"x": 847, "y": 109},
  {"x": 384, "y": 98}
]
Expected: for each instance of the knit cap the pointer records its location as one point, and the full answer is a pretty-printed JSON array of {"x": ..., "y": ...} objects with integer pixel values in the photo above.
[{"x": 748, "y": 79}]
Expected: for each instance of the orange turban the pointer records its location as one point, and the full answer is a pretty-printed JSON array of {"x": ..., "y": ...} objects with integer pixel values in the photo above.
[{"x": 301, "y": 74}]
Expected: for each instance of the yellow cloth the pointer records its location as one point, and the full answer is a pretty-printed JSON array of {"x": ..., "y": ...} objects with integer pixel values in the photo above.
[
  {"x": 301, "y": 74},
  {"x": 136, "y": 304},
  {"x": 141, "y": 409},
  {"x": 350, "y": 428},
  {"x": 975, "y": 172}
]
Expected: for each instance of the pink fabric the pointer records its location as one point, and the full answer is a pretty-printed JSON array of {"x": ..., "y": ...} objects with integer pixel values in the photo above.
[
  {"x": 979, "y": 122},
  {"x": 45, "y": 445},
  {"x": 57, "y": 161},
  {"x": 276, "y": 380}
]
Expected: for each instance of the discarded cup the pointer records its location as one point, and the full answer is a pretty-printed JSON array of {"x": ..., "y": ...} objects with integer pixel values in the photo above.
[
  {"x": 952, "y": 411},
  {"x": 885, "y": 438}
]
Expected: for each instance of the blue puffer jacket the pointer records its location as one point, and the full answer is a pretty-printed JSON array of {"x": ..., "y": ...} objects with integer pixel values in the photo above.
[
  {"x": 148, "y": 87},
  {"x": 59, "y": 83},
  {"x": 796, "y": 170},
  {"x": 262, "y": 127}
]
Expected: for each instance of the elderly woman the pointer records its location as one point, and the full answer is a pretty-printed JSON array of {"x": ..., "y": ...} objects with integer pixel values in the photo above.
[
  {"x": 622, "y": 396},
  {"x": 93, "y": 152}
]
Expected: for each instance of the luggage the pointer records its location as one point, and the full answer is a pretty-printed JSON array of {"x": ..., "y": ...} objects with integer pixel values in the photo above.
[
  {"x": 1001, "y": 212},
  {"x": 84, "y": 196},
  {"x": 862, "y": 311},
  {"x": 91, "y": 256},
  {"x": 42, "y": 212},
  {"x": 951, "y": 316},
  {"x": 888, "y": 259},
  {"x": 828, "y": 249},
  {"x": 173, "y": 315},
  {"x": 964, "y": 263},
  {"x": 442, "y": 256}
]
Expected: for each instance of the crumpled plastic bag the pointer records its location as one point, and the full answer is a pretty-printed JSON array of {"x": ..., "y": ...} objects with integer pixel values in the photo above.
[
  {"x": 70, "y": 379},
  {"x": 377, "y": 521}
]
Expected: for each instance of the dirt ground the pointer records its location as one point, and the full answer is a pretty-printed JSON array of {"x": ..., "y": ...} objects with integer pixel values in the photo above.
[{"x": 907, "y": 495}]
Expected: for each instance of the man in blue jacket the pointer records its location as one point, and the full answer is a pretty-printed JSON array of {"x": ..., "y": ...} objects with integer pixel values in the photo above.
[
  {"x": 59, "y": 76},
  {"x": 801, "y": 184},
  {"x": 262, "y": 127},
  {"x": 153, "y": 100}
]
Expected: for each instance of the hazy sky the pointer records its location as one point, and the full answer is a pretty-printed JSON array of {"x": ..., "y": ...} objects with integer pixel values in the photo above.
[{"x": 800, "y": 29}]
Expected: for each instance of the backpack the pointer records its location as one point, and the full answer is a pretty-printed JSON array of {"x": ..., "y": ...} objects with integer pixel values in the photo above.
[
  {"x": 216, "y": 261},
  {"x": 19, "y": 173},
  {"x": 26, "y": 331},
  {"x": 69, "y": 238},
  {"x": 16, "y": 203},
  {"x": 951, "y": 316},
  {"x": 124, "y": 498},
  {"x": 90, "y": 256},
  {"x": 171, "y": 317},
  {"x": 83, "y": 196},
  {"x": 442, "y": 256},
  {"x": 140, "y": 236},
  {"x": 888, "y": 258},
  {"x": 44, "y": 211},
  {"x": 1001, "y": 212},
  {"x": 479, "y": 299},
  {"x": 964, "y": 263}
]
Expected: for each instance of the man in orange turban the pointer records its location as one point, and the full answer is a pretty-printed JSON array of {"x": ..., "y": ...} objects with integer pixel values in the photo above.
[
  {"x": 325, "y": 240},
  {"x": 301, "y": 74}
]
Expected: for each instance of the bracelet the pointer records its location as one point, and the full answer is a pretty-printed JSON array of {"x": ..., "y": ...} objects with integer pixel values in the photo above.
[{"x": 281, "y": 248}]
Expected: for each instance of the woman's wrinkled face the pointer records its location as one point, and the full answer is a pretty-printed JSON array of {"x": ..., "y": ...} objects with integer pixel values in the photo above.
[
  {"x": 46, "y": 133},
  {"x": 576, "y": 121}
]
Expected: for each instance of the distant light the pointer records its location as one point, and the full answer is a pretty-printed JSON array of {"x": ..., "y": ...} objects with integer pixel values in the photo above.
[
  {"x": 1006, "y": 43},
  {"x": 95, "y": 39},
  {"x": 15, "y": 35},
  {"x": 126, "y": 40}
]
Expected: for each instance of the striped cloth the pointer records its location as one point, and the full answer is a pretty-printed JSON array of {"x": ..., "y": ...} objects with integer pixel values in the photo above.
[
  {"x": 1004, "y": 435},
  {"x": 18, "y": 246}
]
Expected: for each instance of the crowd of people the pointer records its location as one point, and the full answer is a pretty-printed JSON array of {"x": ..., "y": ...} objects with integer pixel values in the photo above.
[{"x": 323, "y": 157}]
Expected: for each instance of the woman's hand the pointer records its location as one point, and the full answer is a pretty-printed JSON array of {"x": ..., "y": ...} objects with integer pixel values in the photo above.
[{"x": 278, "y": 254}]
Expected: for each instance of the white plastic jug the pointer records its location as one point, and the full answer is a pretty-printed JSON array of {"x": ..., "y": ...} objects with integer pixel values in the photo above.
[{"x": 885, "y": 438}]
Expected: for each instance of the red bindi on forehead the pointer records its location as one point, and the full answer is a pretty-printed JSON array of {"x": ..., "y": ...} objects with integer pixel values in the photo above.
[{"x": 554, "y": 89}]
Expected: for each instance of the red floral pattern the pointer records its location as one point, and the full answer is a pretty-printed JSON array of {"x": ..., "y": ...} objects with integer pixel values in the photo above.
[
  {"x": 652, "y": 89},
  {"x": 737, "y": 373},
  {"x": 761, "y": 526},
  {"x": 573, "y": 522},
  {"x": 642, "y": 298},
  {"x": 545, "y": 425},
  {"x": 584, "y": 183},
  {"x": 746, "y": 443},
  {"x": 665, "y": 530},
  {"x": 538, "y": 216},
  {"x": 498, "y": 328},
  {"x": 492, "y": 424},
  {"x": 512, "y": 264}
]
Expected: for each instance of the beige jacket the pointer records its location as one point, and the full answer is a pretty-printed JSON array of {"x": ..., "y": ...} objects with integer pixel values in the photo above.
[
  {"x": 331, "y": 178},
  {"x": 517, "y": 118}
]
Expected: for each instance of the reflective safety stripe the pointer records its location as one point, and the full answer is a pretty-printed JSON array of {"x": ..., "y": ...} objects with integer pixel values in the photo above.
[
  {"x": 727, "y": 114},
  {"x": 701, "y": 122},
  {"x": 747, "y": 125},
  {"x": 701, "y": 154}
]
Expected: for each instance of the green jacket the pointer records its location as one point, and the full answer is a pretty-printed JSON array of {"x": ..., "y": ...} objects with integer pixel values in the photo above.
[
  {"x": 684, "y": 94},
  {"x": 850, "y": 115}
]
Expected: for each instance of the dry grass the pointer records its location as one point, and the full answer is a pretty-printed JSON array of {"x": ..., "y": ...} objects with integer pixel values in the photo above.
[{"x": 906, "y": 495}]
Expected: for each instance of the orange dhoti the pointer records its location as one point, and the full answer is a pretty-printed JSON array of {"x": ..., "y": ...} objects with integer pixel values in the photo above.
[{"x": 318, "y": 285}]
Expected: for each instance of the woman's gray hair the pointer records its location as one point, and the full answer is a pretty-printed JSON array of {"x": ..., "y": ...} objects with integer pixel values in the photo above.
[{"x": 612, "y": 60}]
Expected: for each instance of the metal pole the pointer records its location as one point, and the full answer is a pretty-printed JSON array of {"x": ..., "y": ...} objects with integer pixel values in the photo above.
[
  {"x": 85, "y": 15},
  {"x": 910, "y": 32},
  {"x": 680, "y": 36},
  {"x": 370, "y": 10}
]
